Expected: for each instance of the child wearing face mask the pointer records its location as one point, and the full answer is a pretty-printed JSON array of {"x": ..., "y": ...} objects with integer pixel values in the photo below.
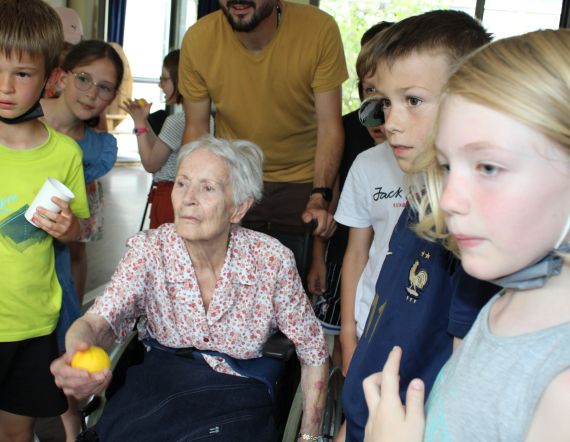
[
  {"x": 159, "y": 153},
  {"x": 422, "y": 300},
  {"x": 31, "y": 37},
  {"x": 498, "y": 195},
  {"x": 92, "y": 73}
]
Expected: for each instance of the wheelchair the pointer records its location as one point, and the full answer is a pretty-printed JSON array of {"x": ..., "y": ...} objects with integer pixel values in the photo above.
[{"x": 288, "y": 403}]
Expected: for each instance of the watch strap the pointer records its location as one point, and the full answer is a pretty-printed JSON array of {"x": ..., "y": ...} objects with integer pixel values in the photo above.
[
  {"x": 139, "y": 130},
  {"x": 326, "y": 192}
]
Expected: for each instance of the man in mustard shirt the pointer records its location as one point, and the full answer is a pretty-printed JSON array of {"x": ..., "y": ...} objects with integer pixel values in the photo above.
[{"x": 274, "y": 71}]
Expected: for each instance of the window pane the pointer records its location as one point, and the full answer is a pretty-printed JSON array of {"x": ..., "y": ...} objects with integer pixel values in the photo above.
[
  {"x": 354, "y": 18},
  {"x": 506, "y": 18},
  {"x": 147, "y": 28}
]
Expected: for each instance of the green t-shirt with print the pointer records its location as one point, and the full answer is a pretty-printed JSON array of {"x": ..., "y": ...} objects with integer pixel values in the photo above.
[{"x": 30, "y": 298}]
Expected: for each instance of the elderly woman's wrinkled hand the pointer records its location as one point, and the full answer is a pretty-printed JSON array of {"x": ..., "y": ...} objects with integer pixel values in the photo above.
[
  {"x": 389, "y": 420},
  {"x": 77, "y": 382}
]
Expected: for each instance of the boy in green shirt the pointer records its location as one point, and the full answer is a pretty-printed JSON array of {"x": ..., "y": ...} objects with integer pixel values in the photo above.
[{"x": 31, "y": 38}]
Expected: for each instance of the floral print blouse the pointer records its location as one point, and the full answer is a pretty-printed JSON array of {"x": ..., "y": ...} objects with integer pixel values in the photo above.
[{"x": 258, "y": 292}]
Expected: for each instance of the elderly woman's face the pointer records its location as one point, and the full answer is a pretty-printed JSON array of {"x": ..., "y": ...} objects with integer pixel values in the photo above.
[{"x": 202, "y": 197}]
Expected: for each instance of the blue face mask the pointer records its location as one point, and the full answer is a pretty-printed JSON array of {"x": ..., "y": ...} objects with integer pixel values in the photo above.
[
  {"x": 536, "y": 274},
  {"x": 34, "y": 112}
]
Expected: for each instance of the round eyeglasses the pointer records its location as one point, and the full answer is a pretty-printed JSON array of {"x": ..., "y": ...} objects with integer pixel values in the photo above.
[{"x": 83, "y": 82}]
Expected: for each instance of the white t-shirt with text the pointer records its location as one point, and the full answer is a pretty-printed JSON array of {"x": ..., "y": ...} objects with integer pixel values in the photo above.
[{"x": 373, "y": 195}]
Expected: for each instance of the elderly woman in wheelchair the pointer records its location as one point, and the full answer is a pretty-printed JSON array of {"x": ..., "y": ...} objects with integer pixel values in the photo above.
[{"x": 207, "y": 294}]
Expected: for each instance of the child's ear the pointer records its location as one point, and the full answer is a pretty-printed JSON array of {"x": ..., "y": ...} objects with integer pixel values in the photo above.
[
  {"x": 62, "y": 79},
  {"x": 53, "y": 77}
]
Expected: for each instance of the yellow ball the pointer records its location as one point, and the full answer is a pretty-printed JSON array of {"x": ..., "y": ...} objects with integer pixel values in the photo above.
[
  {"x": 142, "y": 103},
  {"x": 92, "y": 360}
]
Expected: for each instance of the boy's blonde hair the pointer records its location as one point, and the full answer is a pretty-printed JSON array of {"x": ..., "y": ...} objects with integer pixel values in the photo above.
[
  {"x": 525, "y": 77},
  {"x": 32, "y": 27},
  {"x": 453, "y": 34}
]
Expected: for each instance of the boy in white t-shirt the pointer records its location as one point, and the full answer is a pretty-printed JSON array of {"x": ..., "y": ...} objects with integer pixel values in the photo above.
[
  {"x": 324, "y": 279},
  {"x": 370, "y": 204}
]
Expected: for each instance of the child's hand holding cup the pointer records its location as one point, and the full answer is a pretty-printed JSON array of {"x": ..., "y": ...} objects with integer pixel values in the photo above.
[{"x": 51, "y": 188}]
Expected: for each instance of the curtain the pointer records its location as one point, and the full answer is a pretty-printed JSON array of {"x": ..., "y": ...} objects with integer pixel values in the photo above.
[
  {"x": 207, "y": 6},
  {"x": 117, "y": 13}
]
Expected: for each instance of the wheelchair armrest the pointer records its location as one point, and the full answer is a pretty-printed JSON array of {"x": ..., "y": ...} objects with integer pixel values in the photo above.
[
  {"x": 279, "y": 346},
  {"x": 87, "y": 410}
]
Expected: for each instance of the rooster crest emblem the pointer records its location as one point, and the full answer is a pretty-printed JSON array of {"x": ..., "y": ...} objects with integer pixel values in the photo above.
[{"x": 417, "y": 281}]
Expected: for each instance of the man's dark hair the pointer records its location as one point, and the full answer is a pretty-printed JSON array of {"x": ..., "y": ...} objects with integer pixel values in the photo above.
[{"x": 450, "y": 33}]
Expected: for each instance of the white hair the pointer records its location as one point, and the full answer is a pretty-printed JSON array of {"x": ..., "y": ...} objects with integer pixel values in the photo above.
[{"x": 244, "y": 159}]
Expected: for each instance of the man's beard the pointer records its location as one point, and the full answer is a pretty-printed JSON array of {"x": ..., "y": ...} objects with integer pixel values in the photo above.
[{"x": 257, "y": 17}]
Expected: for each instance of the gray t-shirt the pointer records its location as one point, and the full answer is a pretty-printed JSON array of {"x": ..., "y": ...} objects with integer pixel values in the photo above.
[
  {"x": 171, "y": 134},
  {"x": 489, "y": 388}
]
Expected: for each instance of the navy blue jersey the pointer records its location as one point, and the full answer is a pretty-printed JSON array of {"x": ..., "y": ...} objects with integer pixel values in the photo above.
[{"x": 423, "y": 299}]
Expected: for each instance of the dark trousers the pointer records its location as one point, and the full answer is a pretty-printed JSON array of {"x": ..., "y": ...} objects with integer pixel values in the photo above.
[
  {"x": 169, "y": 398},
  {"x": 281, "y": 207}
]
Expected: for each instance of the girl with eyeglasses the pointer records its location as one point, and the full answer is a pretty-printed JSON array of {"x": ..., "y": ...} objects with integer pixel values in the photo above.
[
  {"x": 92, "y": 73},
  {"x": 159, "y": 153}
]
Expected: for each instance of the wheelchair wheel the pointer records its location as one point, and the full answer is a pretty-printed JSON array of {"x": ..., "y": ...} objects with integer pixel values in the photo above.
[
  {"x": 333, "y": 409},
  {"x": 295, "y": 416}
]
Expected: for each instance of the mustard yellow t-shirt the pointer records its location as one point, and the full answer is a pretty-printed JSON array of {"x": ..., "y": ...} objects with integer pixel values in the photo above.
[
  {"x": 30, "y": 294},
  {"x": 267, "y": 98}
]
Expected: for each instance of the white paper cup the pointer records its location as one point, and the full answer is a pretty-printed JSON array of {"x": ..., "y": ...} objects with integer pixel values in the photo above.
[{"x": 51, "y": 188}]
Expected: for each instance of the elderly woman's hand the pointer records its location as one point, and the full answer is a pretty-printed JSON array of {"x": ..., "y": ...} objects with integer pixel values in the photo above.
[
  {"x": 88, "y": 330},
  {"x": 77, "y": 382},
  {"x": 389, "y": 420}
]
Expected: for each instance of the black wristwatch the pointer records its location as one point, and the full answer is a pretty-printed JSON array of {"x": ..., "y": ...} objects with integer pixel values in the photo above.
[{"x": 326, "y": 192}]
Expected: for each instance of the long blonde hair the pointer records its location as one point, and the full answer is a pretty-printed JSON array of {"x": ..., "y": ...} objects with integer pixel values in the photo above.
[{"x": 525, "y": 77}]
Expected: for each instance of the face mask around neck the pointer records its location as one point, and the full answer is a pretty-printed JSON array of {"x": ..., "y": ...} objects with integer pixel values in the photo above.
[
  {"x": 536, "y": 274},
  {"x": 34, "y": 112}
]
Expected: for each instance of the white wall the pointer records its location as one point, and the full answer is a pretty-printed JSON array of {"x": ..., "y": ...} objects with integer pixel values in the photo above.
[
  {"x": 56, "y": 3},
  {"x": 86, "y": 11}
]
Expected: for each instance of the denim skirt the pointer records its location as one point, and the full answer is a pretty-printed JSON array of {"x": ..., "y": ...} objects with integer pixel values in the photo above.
[
  {"x": 170, "y": 398},
  {"x": 70, "y": 308}
]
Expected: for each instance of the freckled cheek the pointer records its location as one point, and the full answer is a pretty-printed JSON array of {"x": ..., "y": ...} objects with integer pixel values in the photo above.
[{"x": 423, "y": 128}]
